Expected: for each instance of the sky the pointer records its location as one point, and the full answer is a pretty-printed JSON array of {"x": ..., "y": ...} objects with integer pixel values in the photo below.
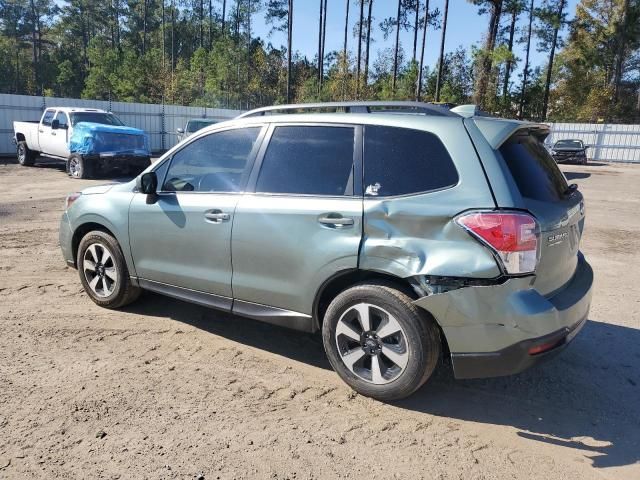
[{"x": 464, "y": 28}]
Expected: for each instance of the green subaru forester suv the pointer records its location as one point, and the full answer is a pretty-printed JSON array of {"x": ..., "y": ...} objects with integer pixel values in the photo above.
[{"x": 402, "y": 231}]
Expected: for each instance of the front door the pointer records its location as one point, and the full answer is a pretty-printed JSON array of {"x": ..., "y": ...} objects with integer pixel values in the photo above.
[
  {"x": 303, "y": 224},
  {"x": 60, "y": 136},
  {"x": 184, "y": 238}
]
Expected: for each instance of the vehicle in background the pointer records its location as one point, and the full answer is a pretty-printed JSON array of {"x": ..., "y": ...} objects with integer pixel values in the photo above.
[
  {"x": 193, "y": 126},
  {"x": 404, "y": 237},
  {"x": 570, "y": 150},
  {"x": 89, "y": 140}
]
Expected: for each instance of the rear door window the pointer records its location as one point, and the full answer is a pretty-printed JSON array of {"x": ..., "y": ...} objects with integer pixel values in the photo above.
[
  {"x": 533, "y": 169},
  {"x": 308, "y": 160},
  {"x": 401, "y": 161}
]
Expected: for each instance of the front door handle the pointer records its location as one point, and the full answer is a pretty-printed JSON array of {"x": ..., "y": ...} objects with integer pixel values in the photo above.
[
  {"x": 217, "y": 216},
  {"x": 53, "y": 133},
  {"x": 335, "y": 220}
]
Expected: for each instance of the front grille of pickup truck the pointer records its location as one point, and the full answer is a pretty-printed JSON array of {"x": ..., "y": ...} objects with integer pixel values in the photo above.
[{"x": 120, "y": 141}]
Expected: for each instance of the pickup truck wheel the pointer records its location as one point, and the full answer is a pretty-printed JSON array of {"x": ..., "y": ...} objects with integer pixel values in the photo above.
[
  {"x": 26, "y": 157},
  {"x": 103, "y": 271},
  {"x": 78, "y": 167},
  {"x": 379, "y": 342}
]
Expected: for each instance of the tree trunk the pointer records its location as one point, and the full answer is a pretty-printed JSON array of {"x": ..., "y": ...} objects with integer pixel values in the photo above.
[
  {"x": 397, "y": 45},
  {"x": 359, "y": 59},
  {"x": 224, "y": 13},
  {"x": 210, "y": 25},
  {"x": 416, "y": 25},
  {"x": 324, "y": 37},
  {"x": 34, "y": 45},
  {"x": 144, "y": 27},
  {"x": 525, "y": 72},
  {"x": 201, "y": 26},
  {"x": 368, "y": 44},
  {"x": 485, "y": 63},
  {"x": 621, "y": 47},
  {"x": 289, "y": 35},
  {"x": 507, "y": 71},
  {"x": 424, "y": 38},
  {"x": 441, "y": 58},
  {"x": 320, "y": 59},
  {"x": 346, "y": 29},
  {"x": 554, "y": 42}
]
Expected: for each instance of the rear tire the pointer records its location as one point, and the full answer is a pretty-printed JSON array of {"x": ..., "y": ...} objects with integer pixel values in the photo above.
[
  {"x": 78, "y": 167},
  {"x": 26, "y": 157},
  {"x": 387, "y": 356},
  {"x": 103, "y": 271}
]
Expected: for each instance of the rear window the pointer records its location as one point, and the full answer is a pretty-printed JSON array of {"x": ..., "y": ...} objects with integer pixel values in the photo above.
[
  {"x": 533, "y": 169},
  {"x": 400, "y": 161}
]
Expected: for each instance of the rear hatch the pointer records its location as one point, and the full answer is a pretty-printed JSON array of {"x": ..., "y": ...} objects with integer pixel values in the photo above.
[{"x": 558, "y": 208}]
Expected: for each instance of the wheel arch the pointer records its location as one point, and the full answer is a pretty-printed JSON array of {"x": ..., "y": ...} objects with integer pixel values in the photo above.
[
  {"x": 80, "y": 232},
  {"x": 20, "y": 137},
  {"x": 345, "y": 279}
]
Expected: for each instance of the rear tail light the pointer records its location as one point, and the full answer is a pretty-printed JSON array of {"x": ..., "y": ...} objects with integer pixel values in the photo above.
[{"x": 513, "y": 236}]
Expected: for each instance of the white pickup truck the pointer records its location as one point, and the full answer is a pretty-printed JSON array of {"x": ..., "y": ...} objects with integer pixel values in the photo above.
[{"x": 125, "y": 148}]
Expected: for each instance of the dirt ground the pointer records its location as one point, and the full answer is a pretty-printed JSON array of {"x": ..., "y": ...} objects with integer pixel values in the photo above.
[{"x": 165, "y": 389}]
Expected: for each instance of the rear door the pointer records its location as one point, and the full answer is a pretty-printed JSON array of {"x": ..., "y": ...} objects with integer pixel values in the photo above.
[
  {"x": 558, "y": 209},
  {"x": 303, "y": 223}
]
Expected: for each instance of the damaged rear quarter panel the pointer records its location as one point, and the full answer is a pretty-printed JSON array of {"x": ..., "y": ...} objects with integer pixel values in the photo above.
[{"x": 416, "y": 234}]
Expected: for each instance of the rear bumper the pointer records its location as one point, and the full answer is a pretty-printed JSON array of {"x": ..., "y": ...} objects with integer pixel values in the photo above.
[{"x": 490, "y": 330}]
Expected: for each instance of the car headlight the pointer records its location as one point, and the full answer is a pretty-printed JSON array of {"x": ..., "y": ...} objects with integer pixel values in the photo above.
[{"x": 72, "y": 197}]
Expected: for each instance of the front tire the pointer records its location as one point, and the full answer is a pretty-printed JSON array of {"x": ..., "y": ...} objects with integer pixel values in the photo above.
[
  {"x": 103, "y": 271},
  {"x": 379, "y": 342},
  {"x": 78, "y": 167},
  {"x": 26, "y": 157}
]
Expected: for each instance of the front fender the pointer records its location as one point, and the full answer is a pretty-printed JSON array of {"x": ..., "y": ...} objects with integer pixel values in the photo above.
[{"x": 110, "y": 211}]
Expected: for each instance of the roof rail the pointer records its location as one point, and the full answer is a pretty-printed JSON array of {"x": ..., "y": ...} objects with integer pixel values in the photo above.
[{"x": 353, "y": 107}]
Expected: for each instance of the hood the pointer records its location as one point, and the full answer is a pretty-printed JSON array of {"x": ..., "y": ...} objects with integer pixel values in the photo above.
[
  {"x": 96, "y": 189},
  {"x": 96, "y": 138},
  {"x": 91, "y": 127}
]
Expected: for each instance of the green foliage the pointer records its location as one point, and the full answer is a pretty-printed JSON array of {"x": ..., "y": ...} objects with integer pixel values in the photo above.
[{"x": 178, "y": 52}]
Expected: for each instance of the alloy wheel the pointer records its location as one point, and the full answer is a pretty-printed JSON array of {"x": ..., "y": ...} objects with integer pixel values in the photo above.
[
  {"x": 371, "y": 343},
  {"x": 100, "y": 270}
]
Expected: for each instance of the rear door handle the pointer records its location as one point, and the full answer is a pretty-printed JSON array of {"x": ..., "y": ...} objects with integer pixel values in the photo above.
[
  {"x": 217, "y": 216},
  {"x": 335, "y": 220}
]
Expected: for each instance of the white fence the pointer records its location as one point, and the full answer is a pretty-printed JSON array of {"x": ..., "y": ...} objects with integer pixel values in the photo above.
[
  {"x": 608, "y": 142},
  {"x": 159, "y": 121}
]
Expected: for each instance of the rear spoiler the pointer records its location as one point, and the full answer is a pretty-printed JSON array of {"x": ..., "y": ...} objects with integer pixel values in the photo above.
[{"x": 498, "y": 130}]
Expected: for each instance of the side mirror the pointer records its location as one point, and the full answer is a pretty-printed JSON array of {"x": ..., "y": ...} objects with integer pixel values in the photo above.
[
  {"x": 148, "y": 183},
  {"x": 55, "y": 124},
  {"x": 179, "y": 131},
  {"x": 587, "y": 146}
]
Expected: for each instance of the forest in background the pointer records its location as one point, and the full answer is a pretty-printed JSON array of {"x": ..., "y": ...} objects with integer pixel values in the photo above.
[{"x": 205, "y": 53}]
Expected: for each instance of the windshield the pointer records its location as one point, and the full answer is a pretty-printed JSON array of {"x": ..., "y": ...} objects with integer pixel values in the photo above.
[
  {"x": 568, "y": 144},
  {"x": 96, "y": 117},
  {"x": 195, "y": 125}
]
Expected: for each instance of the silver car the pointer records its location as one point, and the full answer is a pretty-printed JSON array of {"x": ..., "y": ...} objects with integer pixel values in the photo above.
[
  {"x": 403, "y": 232},
  {"x": 192, "y": 126}
]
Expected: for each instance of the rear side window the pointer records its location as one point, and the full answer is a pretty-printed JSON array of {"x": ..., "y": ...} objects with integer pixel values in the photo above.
[
  {"x": 533, "y": 169},
  {"x": 308, "y": 160},
  {"x": 400, "y": 161}
]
